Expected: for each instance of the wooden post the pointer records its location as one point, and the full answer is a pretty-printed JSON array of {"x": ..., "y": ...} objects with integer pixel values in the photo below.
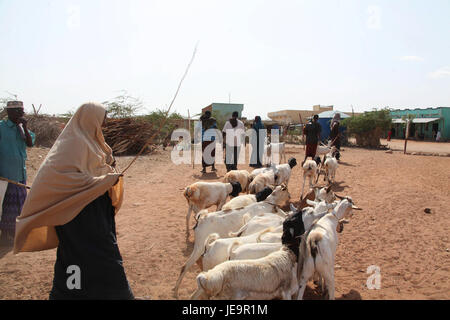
[{"x": 406, "y": 134}]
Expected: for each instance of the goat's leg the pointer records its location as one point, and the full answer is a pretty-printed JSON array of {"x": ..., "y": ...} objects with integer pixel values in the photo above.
[
  {"x": 188, "y": 216},
  {"x": 199, "y": 294},
  {"x": 303, "y": 187},
  {"x": 302, "y": 288},
  {"x": 328, "y": 277}
]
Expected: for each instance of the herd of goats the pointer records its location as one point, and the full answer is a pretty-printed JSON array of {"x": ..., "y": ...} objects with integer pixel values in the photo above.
[{"x": 250, "y": 248}]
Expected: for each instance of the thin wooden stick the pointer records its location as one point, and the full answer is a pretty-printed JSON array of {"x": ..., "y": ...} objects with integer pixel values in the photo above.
[
  {"x": 150, "y": 140},
  {"x": 14, "y": 182}
]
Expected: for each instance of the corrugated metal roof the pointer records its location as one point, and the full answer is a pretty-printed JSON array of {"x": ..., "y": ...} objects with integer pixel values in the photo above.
[
  {"x": 331, "y": 113},
  {"x": 416, "y": 120}
]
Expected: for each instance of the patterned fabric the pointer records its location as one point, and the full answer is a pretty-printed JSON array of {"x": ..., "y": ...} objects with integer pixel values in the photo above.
[
  {"x": 311, "y": 149},
  {"x": 12, "y": 206}
]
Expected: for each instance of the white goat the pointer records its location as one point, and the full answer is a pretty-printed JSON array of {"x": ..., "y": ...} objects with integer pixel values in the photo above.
[
  {"x": 270, "y": 277},
  {"x": 243, "y": 251},
  {"x": 310, "y": 171},
  {"x": 318, "y": 249},
  {"x": 245, "y": 200},
  {"x": 278, "y": 147},
  {"x": 255, "y": 172},
  {"x": 258, "y": 223},
  {"x": 331, "y": 165},
  {"x": 241, "y": 176},
  {"x": 284, "y": 171},
  {"x": 225, "y": 222},
  {"x": 261, "y": 181},
  {"x": 217, "y": 250},
  {"x": 202, "y": 195}
]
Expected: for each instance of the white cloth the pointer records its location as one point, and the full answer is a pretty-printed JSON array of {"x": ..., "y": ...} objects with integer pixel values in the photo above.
[
  {"x": 237, "y": 132},
  {"x": 438, "y": 136},
  {"x": 3, "y": 187}
]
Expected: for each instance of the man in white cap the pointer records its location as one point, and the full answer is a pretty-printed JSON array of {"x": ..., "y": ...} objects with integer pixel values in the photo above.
[{"x": 14, "y": 138}]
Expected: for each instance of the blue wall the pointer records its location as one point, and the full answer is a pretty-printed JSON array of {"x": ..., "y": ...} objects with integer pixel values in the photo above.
[{"x": 325, "y": 123}]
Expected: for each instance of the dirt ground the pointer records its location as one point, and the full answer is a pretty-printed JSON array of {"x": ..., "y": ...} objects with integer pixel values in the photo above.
[
  {"x": 410, "y": 247},
  {"x": 418, "y": 146}
]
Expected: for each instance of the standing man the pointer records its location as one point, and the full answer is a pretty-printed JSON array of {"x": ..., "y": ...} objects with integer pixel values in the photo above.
[
  {"x": 312, "y": 132},
  {"x": 233, "y": 131},
  {"x": 208, "y": 137},
  {"x": 14, "y": 138}
]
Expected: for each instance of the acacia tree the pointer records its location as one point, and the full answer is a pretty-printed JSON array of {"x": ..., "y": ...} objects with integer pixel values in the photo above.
[
  {"x": 123, "y": 106},
  {"x": 369, "y": 127}
]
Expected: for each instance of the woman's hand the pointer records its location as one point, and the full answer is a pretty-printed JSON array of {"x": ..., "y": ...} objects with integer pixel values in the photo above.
[{"x": 118, "y": 178}]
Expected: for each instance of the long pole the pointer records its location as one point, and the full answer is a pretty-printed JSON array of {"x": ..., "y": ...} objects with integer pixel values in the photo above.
[
  {"x": 150, "y": 140},
  {"x": 14, "y": 182}
]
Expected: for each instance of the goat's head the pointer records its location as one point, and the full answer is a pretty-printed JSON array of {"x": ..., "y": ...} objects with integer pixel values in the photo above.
[
  {"x": 263, "y": 194},
  {"x": 293, "y": 229},
  {"x": 292, "y": 162},
  {"x": 237, "y": 188},
  {"x": 325, "y": 193},
  {"x": 350, "y": 206},
  {"x": 280, "y": 194}
]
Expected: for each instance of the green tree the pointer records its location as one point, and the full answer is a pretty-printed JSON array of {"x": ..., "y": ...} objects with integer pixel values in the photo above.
[
  {"x": 369, "y": 127},
  {"x": 123, "y": 106}
]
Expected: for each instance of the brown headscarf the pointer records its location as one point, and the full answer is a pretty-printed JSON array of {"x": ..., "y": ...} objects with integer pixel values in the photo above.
[{"x": 76, "y": 171}]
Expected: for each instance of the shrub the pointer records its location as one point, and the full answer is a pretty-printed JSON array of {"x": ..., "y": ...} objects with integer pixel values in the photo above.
[{"x": 369, "y": 127}]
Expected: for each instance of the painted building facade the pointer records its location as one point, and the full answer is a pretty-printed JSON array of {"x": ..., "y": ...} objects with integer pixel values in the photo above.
[{"x": 426, "y": 123}]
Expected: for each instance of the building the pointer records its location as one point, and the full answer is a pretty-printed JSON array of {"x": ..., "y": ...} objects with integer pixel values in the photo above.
[
  {"x": 224, "y": 109},
  {"x": 297, "y": 116},
  {"x": 425, "y": 125}
]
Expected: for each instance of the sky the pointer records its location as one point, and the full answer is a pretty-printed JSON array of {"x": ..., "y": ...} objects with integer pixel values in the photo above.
[{"x": 267, "y": 55}]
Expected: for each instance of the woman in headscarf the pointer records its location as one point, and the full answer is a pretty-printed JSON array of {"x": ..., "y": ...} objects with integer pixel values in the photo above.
[
  {"x": 72, "y": 206},
  {"x": 258, "y": 149},
  {"x": 335, "y": 134}
]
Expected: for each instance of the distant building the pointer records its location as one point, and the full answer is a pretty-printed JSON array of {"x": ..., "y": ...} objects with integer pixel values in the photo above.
[
  {"x": 297, "y": 116},
  {"x": 225, "y": 109},
  {"x": 425, "y": 125}
]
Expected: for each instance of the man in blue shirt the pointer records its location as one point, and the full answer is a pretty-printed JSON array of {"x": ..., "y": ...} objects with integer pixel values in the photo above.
[{"x": 14, "y": 138}]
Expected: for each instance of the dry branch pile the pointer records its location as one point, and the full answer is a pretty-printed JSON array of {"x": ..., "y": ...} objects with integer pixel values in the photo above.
[
  {"x": 46, "y": 129},
  {"x": 128, "y": 136}
]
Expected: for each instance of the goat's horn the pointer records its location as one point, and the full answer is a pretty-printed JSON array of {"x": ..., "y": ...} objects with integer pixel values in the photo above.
[{"x": 356, "y": 208}]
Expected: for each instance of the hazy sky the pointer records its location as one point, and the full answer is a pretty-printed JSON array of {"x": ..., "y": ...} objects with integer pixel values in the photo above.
[{"x": 268, "y": 55}]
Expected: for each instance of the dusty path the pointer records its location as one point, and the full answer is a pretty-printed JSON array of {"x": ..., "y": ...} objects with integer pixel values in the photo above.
[{"x": 410, "y": 247}]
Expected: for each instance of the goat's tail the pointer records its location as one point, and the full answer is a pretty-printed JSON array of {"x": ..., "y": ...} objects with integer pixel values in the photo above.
[
  {"x": 313, "y": 243},
  {"x": 258, "y": 240},
  {"x": 210, "y": 239},
  {"x": 231, "y": 248},
  {"x": 189, "y": 191},
  {"x": 245, "y": 219}
]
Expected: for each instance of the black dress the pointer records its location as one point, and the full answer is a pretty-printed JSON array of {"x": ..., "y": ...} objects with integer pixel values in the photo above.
[{"x": 89, "y": 243}]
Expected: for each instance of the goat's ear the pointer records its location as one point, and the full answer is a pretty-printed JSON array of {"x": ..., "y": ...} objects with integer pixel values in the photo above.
[
  {"x": 331, "y": 205},
  {"x": 356, "y": 208},
  {"x": 292, "y": 207},
  {"x": 339, "y": 197},
  {"x": 311, "y": 203}
]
